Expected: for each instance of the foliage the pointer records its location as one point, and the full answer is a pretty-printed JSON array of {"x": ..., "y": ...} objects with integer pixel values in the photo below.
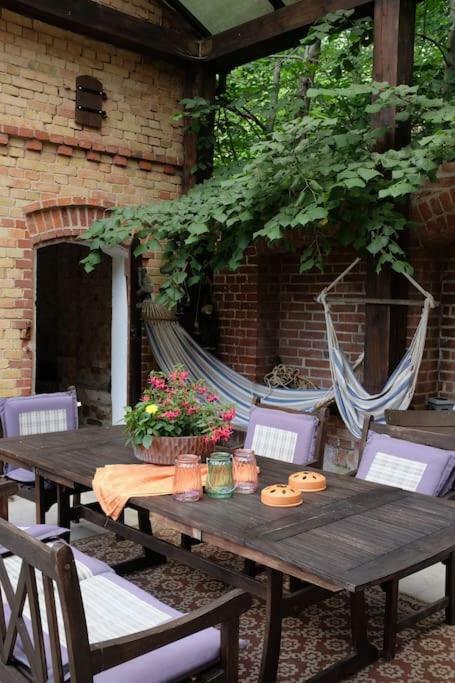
[
  {"x": 300, "y": 159},
  {"x": 173, "y": 406}
]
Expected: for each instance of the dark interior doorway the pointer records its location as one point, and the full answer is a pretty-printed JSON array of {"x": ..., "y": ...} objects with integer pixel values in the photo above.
[{"x": 73, "y": 328}]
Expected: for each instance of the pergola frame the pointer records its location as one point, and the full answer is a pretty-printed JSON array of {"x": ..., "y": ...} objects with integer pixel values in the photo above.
[{"x": 206, "y": 55}]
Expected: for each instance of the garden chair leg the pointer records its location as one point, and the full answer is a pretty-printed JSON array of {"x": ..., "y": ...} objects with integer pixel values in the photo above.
[
  {"x": 390, "y": 619},
  {"x": 230, "y": 650},
  {"x": 450, "y": 589},
  {"x": 40, "y": 502}
]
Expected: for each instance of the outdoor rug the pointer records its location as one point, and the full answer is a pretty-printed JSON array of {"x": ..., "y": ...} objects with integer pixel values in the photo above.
[{"x": 312, "y": 640}]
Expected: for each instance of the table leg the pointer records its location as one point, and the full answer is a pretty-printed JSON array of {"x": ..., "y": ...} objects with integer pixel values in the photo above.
[
  {"x": 63, "y": 507},
  {"x": 390, "y": 619},
  {"x": 450, "y": 589},
  {"x": 365, "y": 652},
  {"x": 40, "y": 500},
  {"x": 272, "y": 634},
  {"x": 146, "y": 527}
]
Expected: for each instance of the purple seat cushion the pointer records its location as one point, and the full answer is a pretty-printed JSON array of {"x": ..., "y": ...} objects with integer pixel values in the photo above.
[
  {"x": 280, "y": 435},
  {"x": 19, "y": 474},
  {"x": 407, "y": 465},
  {"x": 39, "y": 414},
  {"x": 168, "y": 663}
]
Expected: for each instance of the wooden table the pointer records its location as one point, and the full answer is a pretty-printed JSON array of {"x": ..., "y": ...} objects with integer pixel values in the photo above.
[{"x": 354, "y": 535}]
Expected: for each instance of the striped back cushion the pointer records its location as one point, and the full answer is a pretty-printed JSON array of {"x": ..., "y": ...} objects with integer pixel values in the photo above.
[
  {"x": 274, "y": 443},
  {"x": 42, "y": 421},
  {"x": 406, "y": 465},
  {"x": 289, "y": 437},
  {"x": 111, "y": 610},
  {"x": 39, "y": 414}
]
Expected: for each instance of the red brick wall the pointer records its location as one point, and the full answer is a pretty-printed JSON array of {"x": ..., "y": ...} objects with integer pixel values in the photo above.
[{"x": 56, "y": 176}]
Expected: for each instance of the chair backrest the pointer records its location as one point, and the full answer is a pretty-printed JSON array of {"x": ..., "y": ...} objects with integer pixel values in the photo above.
[
  {"x": 412, "y": 459},
  {"x": 442, "y": 421},
  {"x": 39, "y": 414},
  {"x": 41, "y": 601},
  {"x": 287, "y": 435}
]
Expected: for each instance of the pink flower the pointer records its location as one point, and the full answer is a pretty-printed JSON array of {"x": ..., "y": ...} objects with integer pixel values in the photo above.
[
  {"x": 171, "y": 414},
  {"x": 220, "y": 434},
  {"x": 191, "y": 410},
  {"x": 157, "y": 382},
  {"x": 179, "y": 376},
  {"x": 212, "y": 398},
  {"x": 200, "y": 389},
  {"x": 228, "y": 415},
  {"x": 145, "y": 399}
]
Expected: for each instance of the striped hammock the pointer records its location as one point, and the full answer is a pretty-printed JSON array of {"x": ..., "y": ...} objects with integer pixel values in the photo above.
[{"x": 172, "y": 345}]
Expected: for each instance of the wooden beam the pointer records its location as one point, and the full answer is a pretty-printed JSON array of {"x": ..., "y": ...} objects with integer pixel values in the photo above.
[
  {"x": 189, "y": 17},
  {"x": 274, "y": 31},
  {"x": 385, "y": 326},
  {"x": 90, "y": 18}
]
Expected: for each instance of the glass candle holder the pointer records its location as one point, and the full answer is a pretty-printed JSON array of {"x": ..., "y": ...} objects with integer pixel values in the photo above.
[
  {"x": 245, "y": 471},
  {"x": 220, "y": 479},
  {"x": 187, "y": 486}
]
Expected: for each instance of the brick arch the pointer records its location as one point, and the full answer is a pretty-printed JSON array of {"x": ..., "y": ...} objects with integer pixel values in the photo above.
[{"x": 65, "y": 217}]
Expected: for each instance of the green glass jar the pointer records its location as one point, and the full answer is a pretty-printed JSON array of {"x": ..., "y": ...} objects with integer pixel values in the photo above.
[{"x": 220, "y": 476}]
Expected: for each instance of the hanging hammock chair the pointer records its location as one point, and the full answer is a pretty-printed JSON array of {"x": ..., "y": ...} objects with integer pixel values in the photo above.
[
  {"x": 171, "y": 345},
  {"x": 352, "y": 399}
]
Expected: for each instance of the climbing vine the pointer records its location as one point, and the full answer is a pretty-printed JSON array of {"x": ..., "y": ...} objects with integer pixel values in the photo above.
[{"x": 314, "y": 174}]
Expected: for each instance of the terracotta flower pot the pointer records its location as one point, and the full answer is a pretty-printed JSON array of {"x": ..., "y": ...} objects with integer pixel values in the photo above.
[{"x": 165, "y": 449}]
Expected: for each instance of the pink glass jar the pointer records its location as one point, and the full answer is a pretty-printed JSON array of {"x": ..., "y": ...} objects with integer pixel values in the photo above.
[
  {"x": 245, "y": 471},
  {"x": 187, "y": 486}
]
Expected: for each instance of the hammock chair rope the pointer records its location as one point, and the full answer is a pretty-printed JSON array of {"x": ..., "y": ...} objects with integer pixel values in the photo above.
[{"x": 352, "y": 399}]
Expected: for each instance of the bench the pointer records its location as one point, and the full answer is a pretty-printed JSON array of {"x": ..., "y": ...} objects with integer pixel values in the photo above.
[{"x": 68, "y": 617}]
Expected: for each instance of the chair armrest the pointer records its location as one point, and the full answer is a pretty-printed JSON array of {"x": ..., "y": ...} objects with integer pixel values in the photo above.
[
  {"x": 7, "y": 488},
  {"x": 110, "y": 653}
]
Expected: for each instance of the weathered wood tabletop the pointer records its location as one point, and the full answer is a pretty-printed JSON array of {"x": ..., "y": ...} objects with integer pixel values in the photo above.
[{"x": 352, "y": 535}]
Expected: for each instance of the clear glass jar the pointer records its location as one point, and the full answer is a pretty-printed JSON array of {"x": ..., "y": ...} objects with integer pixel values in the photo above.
[
  {"x": 187, "y": 486},
  {"x": 220, "y": 479},
  {"x": 245, "y": 471}
]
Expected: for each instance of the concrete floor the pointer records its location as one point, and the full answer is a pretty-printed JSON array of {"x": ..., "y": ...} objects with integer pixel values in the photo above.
[{"x": 426, "y": 586}]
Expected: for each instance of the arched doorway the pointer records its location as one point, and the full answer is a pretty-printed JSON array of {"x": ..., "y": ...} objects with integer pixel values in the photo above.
[{"x": 81, "y": 329}]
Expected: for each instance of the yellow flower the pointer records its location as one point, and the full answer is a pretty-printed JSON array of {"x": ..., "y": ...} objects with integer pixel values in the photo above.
[{"x": 151, "y": 409}]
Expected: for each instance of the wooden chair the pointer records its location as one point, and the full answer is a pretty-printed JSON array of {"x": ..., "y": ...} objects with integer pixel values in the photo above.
[
  {"x": 310, "y": 429},
  {"x": 437, "y": 478},
  {"x": 48, "y": 612},
  {"x": 440, "y": 421},
  {"x": 37, "y": 414}
]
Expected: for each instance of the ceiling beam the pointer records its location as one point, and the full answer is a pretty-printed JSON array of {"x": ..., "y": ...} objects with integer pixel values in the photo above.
[
  {"x": 272, "y": 32},
  {"x": 90, "y": 18},
  {"x": 190, "y": 18}
]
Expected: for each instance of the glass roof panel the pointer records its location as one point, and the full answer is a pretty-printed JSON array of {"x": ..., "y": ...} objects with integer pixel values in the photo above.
[{"x": 219, "y": 15}]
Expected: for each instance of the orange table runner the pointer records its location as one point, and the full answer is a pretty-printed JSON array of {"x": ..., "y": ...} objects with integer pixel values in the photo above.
[{"x": 114, "y": 485}]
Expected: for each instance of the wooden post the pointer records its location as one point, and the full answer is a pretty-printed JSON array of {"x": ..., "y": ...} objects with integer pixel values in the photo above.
[
  {"x": 200, "y": 82},
  {"x": 385, "y": 326}
]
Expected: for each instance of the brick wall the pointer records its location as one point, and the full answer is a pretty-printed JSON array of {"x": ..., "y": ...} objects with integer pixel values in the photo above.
[
  {"x": 293, "y": 326},
  {"x": 56, "y": 176}
]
